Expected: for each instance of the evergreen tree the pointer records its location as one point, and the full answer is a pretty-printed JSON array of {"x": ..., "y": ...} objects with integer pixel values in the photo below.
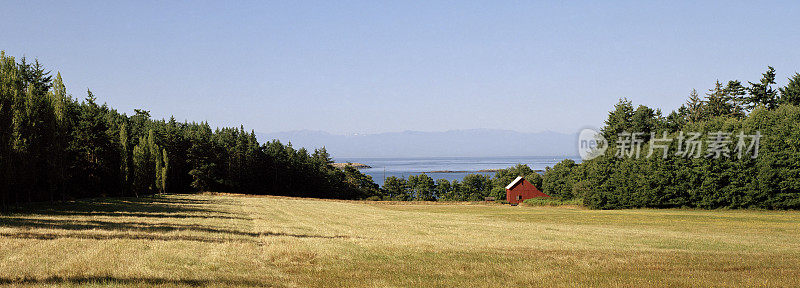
[
  {"x": 444, "y": 189},
  {"x": 361, "y": 186},
  {"x": 10, "y": 86},
  {"x": 619, "y": 120},
  {"x": 34, "y": 75},
  {"x": 558, "y": 181},
  {"x": 791, "y": 93},
  {"x": 141, "y": 156},
  {"x": 736, "y": 93},
  {"x": 645, "y": 120},
  {"x": 204, "y": 167},
  {"x": 675, "y": 120},
  {"x": 761, "y": 93},
  {"x": 156, "y": 160},
  {"x": 142, "y": 167},
  {"x": 62, "y": 104},
  {"x": 422, "y": 187},
  {"x": 125, "y": 159},
  {"x": 164, "y": 171},
  {"x": 476, "y": 187},
  {"x": 396, "y": 188},
  {"x": 695, "y": 108},
  {"x": 718, "y": 103},
  {"x": 94, "y": 149},
  {"x": 322, "y": 155},
  {"x": 158, "y": 177}
]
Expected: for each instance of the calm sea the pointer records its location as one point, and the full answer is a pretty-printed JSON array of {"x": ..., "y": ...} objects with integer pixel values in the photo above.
[{"x": 404, "y": 167}]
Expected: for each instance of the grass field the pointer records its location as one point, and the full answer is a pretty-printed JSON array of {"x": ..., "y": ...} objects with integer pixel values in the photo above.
[{"x": 230, "y": 240}]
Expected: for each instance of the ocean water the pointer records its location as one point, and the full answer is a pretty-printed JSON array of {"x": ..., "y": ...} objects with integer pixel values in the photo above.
[{"x": 404, "y": 167}]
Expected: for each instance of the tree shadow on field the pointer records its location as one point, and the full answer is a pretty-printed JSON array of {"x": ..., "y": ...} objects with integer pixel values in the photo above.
[
  {"x": 141, "y": 221},
  {"x": 89, "y": 280},
  {"x": 130, "y": 226},
  {"x": 159, "y": 237},
  {"x": 73, "y": 220},
  {"x": 127, "y": 226},
  {"x": 151, "y": 206}
]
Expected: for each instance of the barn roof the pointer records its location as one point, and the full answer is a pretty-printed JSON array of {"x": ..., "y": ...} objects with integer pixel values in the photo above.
[{"x": 514, "y": 182}]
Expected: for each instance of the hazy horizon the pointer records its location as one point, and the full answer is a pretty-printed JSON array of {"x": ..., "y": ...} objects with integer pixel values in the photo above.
[
  {"x": 419, "y": 144},
  {"x": 410, "y": 130}
]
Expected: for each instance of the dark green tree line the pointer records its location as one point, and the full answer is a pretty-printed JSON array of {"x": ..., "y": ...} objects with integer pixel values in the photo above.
[
  {"x": 768, "y": 181},
  {"x": 55, "y": 147}
]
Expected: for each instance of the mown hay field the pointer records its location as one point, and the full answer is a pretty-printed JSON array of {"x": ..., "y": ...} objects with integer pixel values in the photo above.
[{"x": 235, "y": 240}]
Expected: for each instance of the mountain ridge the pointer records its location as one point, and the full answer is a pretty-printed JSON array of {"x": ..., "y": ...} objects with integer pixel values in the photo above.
[{"x": 478, "y": 142}]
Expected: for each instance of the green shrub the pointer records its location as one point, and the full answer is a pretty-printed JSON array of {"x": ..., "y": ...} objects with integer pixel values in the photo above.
[{"x": 553, "y": 201}]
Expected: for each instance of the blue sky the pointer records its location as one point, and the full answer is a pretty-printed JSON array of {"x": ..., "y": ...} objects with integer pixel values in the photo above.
[{"x": 369, "y": 66}]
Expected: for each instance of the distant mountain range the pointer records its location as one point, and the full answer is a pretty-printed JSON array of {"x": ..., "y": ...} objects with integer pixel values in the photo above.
[{"x": 454, "y": 143}]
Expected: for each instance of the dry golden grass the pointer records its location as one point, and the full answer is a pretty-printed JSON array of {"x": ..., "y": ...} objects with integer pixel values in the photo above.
[{"x": 231, "y": 240}]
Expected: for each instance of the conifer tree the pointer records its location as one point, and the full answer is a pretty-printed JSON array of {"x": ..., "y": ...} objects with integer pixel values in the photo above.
[
  {"x": 9, "y": 79},
  {"x": 695, "y": 108},
  {"x": 125, "y": 161},
  {"x": 645, "y": 120},
  {"x": 619, "y": 120},
  {"x": 94, "y": 148},
  {"x": 164, "y": 170},
  {"x": 140, "y": 157},
  {"x": 761, "y": 93},
  {"x": 322, "y": 155},
  {"x": 422, "y": 186},
  {"x": 718, "y": 103},
  {"x": 60, "y": 102},
  {"x": 158, "y": 160},
  {"x": 737, "y": 97},
  {"x": 791, "y": 93},
  {"x": 204, "y": 168}
]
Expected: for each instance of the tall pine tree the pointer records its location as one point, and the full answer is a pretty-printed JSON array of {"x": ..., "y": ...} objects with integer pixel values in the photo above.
[
  {"x": 791, "y": 93},
  {"x": 761, "y": 93}
]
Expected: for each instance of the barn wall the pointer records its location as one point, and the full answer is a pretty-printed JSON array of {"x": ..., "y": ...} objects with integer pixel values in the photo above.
[{"x": 524, "y": 189}]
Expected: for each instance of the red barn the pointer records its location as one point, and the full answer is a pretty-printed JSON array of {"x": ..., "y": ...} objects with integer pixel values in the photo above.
[{"x": 520, "y": 189}]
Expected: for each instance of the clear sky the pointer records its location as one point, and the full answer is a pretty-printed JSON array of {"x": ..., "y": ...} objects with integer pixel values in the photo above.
[{"x": 372, "y": 66}]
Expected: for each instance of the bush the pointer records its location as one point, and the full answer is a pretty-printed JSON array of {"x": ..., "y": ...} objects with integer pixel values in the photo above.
[
  {"x": 557, "y": 181},
  {"x": 553, "y": 201}
]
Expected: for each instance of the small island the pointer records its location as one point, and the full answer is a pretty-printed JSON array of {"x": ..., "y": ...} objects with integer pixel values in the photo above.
[{"x": 354, "y": 165}]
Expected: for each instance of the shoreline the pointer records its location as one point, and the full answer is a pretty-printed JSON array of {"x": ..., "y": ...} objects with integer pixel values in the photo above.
[
  {"x": 460, "y": 171},
  {"x": 469, "y": 171}
]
